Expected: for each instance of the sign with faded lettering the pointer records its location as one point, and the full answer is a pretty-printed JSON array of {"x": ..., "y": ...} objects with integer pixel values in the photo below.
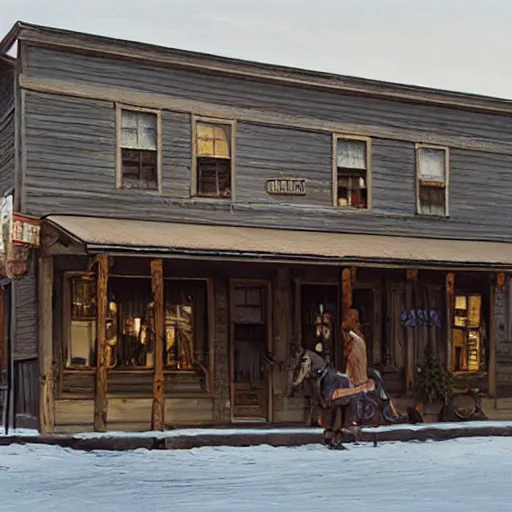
[
  {"x": 287, "y": 187},
  {"x": 421, "y": 318},
  {"x": 25, "y": 230},
  {"x": 18, "y": 234}
]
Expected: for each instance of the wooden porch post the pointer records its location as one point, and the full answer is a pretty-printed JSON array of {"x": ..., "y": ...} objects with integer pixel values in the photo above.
[
  {"x": 346, "y": 293},
  {"x": 450, "y": 303},
  {"x": 410, "y": 380},
  {"x": 495, "y": 318},
  {"x": 157, "y": 284},
  {"x": 346, "y": 312},
  {"x": 100, "y": 396},
  {"x": 283, "y": 328},
  {"x": 45, "y": 313}
]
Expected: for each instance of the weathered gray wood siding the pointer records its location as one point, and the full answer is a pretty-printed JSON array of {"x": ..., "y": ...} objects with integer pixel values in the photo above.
[
  {"x": 26, "y": 393},
  {"x": 25, "y": 311},
  {"x": 7, "y": 160},
  {"x": 25, "y": 296},
  {"x": 503, "y": 338},
  {"x": 238, "y": 92},
  {"x": 70, "y": 155},
  {"x": 264, "y": 153}
]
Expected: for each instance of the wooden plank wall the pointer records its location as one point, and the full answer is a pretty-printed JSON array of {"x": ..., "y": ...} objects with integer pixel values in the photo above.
[
  {"x": 109, "y": 73},
  {"x": 25, "y": 298},
  {"x": 287, "y": 409},
  {"x": 26, "y": 393},
  {"x": 72, "y": 140},
  {"x": 25, "y": 348},
  {"x": 129, "y": 395},
  {"x": 503, "y": 340},
  {"x": 7, "y": 122}
]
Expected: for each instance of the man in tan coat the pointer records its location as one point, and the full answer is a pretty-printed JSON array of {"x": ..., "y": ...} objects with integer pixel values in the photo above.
[{"x": 356, "y": 359}]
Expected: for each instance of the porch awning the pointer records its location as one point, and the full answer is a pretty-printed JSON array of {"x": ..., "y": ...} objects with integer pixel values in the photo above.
[{"x": 279, "y": 245}]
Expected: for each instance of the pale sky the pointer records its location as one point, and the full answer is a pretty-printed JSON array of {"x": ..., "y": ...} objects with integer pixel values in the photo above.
[{"x": 462, "y": 45}]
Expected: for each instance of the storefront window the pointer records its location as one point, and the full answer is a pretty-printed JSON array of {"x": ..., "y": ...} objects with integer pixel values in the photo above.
[
  {"x": 468, "y": 352},
  {"x": 186, "y": 339},
  {"x": 129, "y": 329},
  {"x": 130, "y": 323},
  {"x": 81, "y": 347}
]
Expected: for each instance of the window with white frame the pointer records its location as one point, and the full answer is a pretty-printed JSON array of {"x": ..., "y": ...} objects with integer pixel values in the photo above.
[
  {"x": 432, "y": 180},
  {"x": 139, "y": 149},
  {"x": 351, "y": 173}
]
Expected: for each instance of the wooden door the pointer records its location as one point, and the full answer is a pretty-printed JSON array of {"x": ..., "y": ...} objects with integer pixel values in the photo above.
[{"x": 250, "y": 342}]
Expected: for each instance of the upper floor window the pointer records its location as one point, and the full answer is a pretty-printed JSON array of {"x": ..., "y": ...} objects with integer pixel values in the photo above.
[
  {"x": 138, "y": 151},
  {"x": 432, "y": 180},
  {"x": 351, "y": 172},
  {"x": 213, "y": 159}
]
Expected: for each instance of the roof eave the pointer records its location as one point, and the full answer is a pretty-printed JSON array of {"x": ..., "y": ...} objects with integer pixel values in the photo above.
[
  {"x": 283, "y": 258},
  {"x": 103, "y": 45},
  {"x": 10, "y": 38}
]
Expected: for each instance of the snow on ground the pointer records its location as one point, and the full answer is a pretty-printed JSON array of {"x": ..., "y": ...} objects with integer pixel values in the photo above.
[
  {"x": 19, "y": 432},
  {"x": 255, "y": 431},
  {"x": 469, "y": 475}
]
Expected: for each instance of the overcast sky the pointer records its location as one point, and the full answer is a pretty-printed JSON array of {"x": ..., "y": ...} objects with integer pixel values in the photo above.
[{"x": 462, "y": 45}]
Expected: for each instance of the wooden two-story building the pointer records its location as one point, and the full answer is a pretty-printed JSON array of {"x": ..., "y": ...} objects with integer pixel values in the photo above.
[{"x": 201, "y": 215}]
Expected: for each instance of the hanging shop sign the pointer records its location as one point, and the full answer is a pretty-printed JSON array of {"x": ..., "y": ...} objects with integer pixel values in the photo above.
[
  {"x": 18, "y": 234},
  {"x": 420, "y": 318},
  {"x": 25, "y": 230}
]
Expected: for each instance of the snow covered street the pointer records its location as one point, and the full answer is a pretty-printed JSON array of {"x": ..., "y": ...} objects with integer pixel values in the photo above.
[{"x": 470, "y": 475}]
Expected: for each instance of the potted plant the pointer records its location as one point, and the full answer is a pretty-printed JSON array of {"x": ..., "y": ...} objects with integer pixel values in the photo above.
[{"x": 435, "y": 383}]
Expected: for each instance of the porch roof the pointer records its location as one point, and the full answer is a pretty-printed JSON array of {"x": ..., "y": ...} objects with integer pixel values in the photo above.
[{"x": 168, "y": 239}]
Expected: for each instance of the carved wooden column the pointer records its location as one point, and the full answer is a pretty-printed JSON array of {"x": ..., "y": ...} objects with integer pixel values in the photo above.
[
  {"x": 45, "y": 313},
  {"x": 157, "y": 283},
  {"x": 410, "y": 374},
  {"x": 450, "y": 304},
  {"x": 100, "y": 396}
]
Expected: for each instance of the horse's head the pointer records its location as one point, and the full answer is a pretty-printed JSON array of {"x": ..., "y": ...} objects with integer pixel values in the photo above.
[{"x": 308, "y": 364}]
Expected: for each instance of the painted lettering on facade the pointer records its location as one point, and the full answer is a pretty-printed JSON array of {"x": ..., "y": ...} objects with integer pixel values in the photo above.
[{"x": 287, "y": 187}]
